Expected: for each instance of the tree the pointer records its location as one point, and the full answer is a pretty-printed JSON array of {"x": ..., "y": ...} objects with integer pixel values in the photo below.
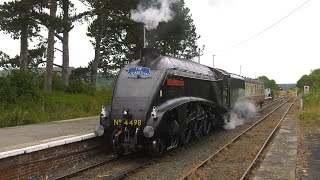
[
  {"x": 66, "y": 28},
  {"x": 59, "y": 24},
  {"x": 80, "y": 74},
  {"x": 312, "y": 80},
  {"x": 8, "y": 63},
  {"x": 123, "y": 38},
  {"x": 35, "y": 57},
  {"x": 269, "y": 84},
  {"x": 177, "y": 37},
  {"x": 99, "y": 28},
  {"x": 50, "y": 49},
  {"x": 66, "y": 25},
  {"x": 18, "y": 18},
  {"x": 303, "y": 81}
]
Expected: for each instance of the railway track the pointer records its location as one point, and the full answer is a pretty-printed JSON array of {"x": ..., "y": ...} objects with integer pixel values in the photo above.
[
  {"x": 245, "y": 174},
  {"x": 271, "y": 103},
  {"x": 131, "y": 174},
  {"x": 230, "y": 155},
  {"x": 76, "y": 172},
  {"x": 128, "y": 166},
  {"x": 117, "y": 168}
]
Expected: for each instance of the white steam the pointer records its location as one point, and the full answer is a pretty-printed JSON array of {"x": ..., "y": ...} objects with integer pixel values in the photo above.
[
  {"x": 219, "y": 3},
  {"x": 151, "y": 16},
  {"x": 242, "y": 110}
]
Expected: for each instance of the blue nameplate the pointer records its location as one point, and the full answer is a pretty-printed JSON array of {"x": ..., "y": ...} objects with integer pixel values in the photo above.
[{"x": 142, "y": 72}]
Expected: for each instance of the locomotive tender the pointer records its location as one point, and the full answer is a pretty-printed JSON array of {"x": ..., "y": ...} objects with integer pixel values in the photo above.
[{"x": 159, "y": 102}]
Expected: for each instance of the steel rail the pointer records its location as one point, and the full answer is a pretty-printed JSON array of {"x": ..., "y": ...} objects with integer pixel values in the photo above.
[
  {"x": 265, "y": 143},
  {"x": 273, "y": 100},
  {"x": 271, "y": 103},
  {"x": 74, "y": 173},
  {"x": 229, "y": 143},
  {"x": 131, "y": 171}
]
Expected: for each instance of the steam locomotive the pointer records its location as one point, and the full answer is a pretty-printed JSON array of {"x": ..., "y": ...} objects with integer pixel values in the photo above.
[{"x": 160, "y": 102}]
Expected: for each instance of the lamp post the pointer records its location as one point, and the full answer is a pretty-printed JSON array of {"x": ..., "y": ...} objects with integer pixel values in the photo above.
[{"x": 240, "y": 70}]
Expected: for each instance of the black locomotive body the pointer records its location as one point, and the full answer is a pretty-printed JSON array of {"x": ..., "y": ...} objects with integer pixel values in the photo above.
[{"x": 160, "y": 102}]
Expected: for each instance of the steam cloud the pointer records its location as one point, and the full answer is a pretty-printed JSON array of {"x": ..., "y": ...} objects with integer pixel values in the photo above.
[
  {"x": 151, "y": 16},
  {"x": 243, "y": 109}
]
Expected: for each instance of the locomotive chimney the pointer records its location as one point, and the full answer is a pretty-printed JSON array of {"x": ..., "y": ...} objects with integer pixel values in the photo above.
[{"x": 147, "y": 56}]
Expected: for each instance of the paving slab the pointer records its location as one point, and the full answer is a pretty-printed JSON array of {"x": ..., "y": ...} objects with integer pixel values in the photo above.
[
  {"x": 281, "y": 160},
  {"x": 313, "y": 160},
  {"x": 17, "y": 137}
]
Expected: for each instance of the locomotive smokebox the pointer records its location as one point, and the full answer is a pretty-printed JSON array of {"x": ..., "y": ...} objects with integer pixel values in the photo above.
[{"x": 147, "y": 56}]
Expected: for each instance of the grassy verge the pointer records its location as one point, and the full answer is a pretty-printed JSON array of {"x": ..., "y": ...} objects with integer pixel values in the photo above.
[
  {"x": 310, "y": 113},
  {"x": 51, "y": 107},
  {"x": 309, "y": 119}
]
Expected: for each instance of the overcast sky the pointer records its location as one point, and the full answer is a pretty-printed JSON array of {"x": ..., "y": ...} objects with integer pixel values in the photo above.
[
  {"x": 229, "y": 29},
  {"x": 284, "y": 52}
]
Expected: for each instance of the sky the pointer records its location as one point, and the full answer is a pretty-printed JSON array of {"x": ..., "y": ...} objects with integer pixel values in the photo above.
[
  {"x": 284, "y": 52},
  {"x": 248, "y": 37}
]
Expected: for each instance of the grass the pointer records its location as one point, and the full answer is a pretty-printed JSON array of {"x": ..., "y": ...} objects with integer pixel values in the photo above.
[
  {"x": 53, "y": 106},
  {"x": 309, "y": 119},
  {"x": 310, "y": 113}
]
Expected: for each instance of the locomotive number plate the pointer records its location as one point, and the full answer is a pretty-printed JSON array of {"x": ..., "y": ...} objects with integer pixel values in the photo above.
[
  {"x": 142, "y": 72},
  {"x": 134, "y": 122}
]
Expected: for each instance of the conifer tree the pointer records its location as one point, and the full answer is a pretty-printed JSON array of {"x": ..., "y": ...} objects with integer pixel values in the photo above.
[
  {"x": 123, "y": 38},
  {"x": 18, "y": 18}
]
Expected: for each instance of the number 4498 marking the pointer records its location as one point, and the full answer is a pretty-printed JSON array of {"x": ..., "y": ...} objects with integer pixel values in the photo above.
[{"x": 134, "y": 122}]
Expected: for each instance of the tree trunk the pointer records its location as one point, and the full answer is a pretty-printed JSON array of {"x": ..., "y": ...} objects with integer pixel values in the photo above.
[
  {"x": 65, "y": 46},
  {"x": 94, "y": 67},
  {"x": 65, "y": 58},
  {"x": 98, "y": 38},
  {"x": 24, "y": 47},
  {"x": 50, "y": 50}
]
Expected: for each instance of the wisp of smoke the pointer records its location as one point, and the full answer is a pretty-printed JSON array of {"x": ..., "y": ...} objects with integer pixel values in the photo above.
[
  {"x": 152, "y": 16},
  {"x": 242, "y": 110},
  {"x": 219, "y": 3}
]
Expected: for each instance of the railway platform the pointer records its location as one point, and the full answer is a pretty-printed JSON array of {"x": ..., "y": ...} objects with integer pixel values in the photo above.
[
  {"x": 281, "y": 160},
  {"x": 29, "y": 138}
]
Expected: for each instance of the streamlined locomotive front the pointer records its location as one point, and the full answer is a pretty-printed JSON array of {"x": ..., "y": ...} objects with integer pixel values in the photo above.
[{"x": 133, "y": 104}]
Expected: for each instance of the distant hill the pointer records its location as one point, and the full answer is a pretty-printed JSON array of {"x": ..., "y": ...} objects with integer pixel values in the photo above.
[{"x": 287, "y": 86}]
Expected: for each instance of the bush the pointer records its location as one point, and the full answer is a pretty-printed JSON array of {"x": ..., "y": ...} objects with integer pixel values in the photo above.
[
  {"x": 7, "y": 92},
  {"x": 22, "y": 100},
  {"x": 18, "y": 86},
  {"x": 24, "y": 82},
  {"x": 310, "y": 114},
  {"x": 57, "y": 84},
  {"x": 80, "y": 87}
]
